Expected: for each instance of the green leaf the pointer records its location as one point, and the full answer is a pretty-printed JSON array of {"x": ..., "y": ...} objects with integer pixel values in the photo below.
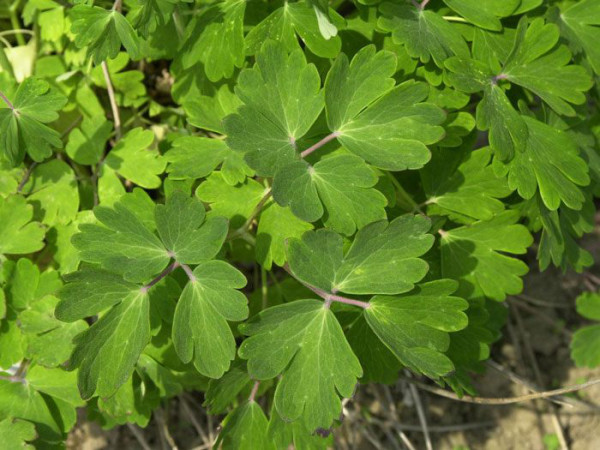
[
  {"x": 198, "y": 157},
  {"x": 102, "y": 32},
  {"x": 18, "y": 235},
  {"x": 549, "y": 163},
  {"x": 425, "y": 316},
  {"x": 17, "y": 433},
  {"x": 52, "y": 190},
  {"x": 460, "y": 185},
  {"x": 87, "y": 143},
  {"x": 132, "y": 159},
  {"x": 339, "y": 189},
  {"x": 208, "y": 112},
  {"x": 580, "y": 22},
  {"x": 284, "y": 23},
  {"x": 22, "y": 126},
  {"x": 200, "y": 330},
  {"x": 533, "y": 53},
  {"x": 188, "y": 237},
  {"x": 134, "y": 250},
  {"x": 383, "y": 259},
  {"x": 291, "y": 340},
  {"x": 223, "y": 392},
  {"x": 275, "y": 226},
  {"x": 236, "y": 203},
  {"x": 284, "y": 434},
  {"x": 245, "y": 428},
  {"x": 585, "y": 346},
  {"x": 283, "y": 98},
  {"x": 216, "y": 39},
  {"x": 425, "y": 34},
  {"x": 471, "y": 255},
  {"x": 486, "y": 14},
  {"x": 387, "y": 127}
]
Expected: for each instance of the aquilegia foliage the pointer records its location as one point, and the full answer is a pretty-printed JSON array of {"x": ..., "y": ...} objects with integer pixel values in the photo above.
[{"x": 274, "y": 202}]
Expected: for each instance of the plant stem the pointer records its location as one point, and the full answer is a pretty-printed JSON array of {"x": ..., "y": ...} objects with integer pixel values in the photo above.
[
  {"x": 454, "y": 19},
  {"x": 117, "y": 5},
  {"x": 26, "y": 176},
  {"x": 402, "y": 195},
  {"x": 254, "y": 391},
  {"x": 261, "y": 204},
  {"x": 502, "y": 400},
  {"x": 14, "y": 21},
  {"x": 423, "y": 4},
  {"x": 330, "y": 137},
  {"x": 188, "y": 272},
  {"x": 160, "y": 276},
  {"x": 6, "y": 100},
  {"x": 113, "y": 102}
]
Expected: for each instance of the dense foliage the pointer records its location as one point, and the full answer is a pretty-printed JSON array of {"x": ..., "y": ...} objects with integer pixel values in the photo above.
[{"x": 274, "y": 202}]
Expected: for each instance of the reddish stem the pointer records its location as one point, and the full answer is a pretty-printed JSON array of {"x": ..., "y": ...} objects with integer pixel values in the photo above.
[
  {"x": 254, "y": 391},
  {"x": 160, "y": 276},
  {"x": 330, "y": 137},
  {"x": 6, "y": 100}
]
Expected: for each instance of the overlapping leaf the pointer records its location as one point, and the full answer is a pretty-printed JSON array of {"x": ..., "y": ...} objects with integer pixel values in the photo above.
[
  {"x": 581, "y": 22},
  {"x": 18, "y": 234},
  {"x": 22, "y": 123},
  {"x": 585, "y": 346},
  {"x": 487, "y": 14}
]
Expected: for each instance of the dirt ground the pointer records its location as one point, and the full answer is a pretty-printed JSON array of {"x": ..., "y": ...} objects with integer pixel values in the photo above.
[{"x": 534, "y": 351}]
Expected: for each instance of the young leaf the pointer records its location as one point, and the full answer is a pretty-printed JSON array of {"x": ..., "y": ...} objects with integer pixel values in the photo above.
[
  {"x": 387, "y": 127},
  {"x": 532, "y": 54},
  {"x": 425, "y": 34},
  {"x": 216, "y": 39},
  {"x": 471, "y": 255},
  {"x": 282, "y": 97},
  {"x": 383, "y": 259},
  {"x": 585, "y": 346},
  {"x": 18, "y": 235},
  {"x": 339, "y": 188},
  {"x": 292, "y": 339},
  {"x": 132, "y": 159},
  {"x": 200, "y": 330},
  {"x": 22, "y": 122},
  {"x": 549, "y": 163},
  {"x": 102, "y": 32},
  {"x": 425, "y": 316}
]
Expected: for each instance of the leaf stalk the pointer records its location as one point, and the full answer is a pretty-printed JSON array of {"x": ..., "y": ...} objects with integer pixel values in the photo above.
[{"x": 330, "y": 137}]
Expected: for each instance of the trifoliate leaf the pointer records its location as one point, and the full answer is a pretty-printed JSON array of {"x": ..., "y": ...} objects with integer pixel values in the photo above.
[
  {"x": 275, "y": 226},
  {"x": 425, "y": 34},
  {"x": 87, "y": 143},
  {"x": 507, "y": 129},
  {"x": 549, "y": 163},
  {"x": 580, "y": 24},
  {"x": 283, "y": 98},
  {"x": 245, "y": 428},
  {"x": 291, "y": 340},
  {"x": 52, "y": 190},
  {"x": 284, "y": 23},
  {"x": 527, "y": 65},
  {"x": 134, "y": 251},
  {"x": 486, "y": 14},
  {"x": 216, "y": 39},
  {"x": 339, "y": 188},
  {"x": 471, "y": 255},
  {"x": 383, "y": 259},
  {"x": 16, "y": 433},
  {"x": 425, "y": 316},
  {"x": 233, "y": 202},
  {"x": 393, "y": 130},
  {"x": 200, "y": 330},
  {"x": 133, "y": 159},
  {"x": 585, "y": 346},
  {"x": 22, "y": 122},
  {"x": 102, "y": 32},
  {"x": 198, "y": 157},
  {"x": 464, "y": 184},
  {"x": 18, "y": 235},
  {"x": 188, "y": 237}
]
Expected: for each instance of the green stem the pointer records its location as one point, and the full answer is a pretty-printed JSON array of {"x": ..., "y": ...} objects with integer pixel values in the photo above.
[
  {"x": 14, "y": 21},
  {"x": 403, "y": 197}
]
